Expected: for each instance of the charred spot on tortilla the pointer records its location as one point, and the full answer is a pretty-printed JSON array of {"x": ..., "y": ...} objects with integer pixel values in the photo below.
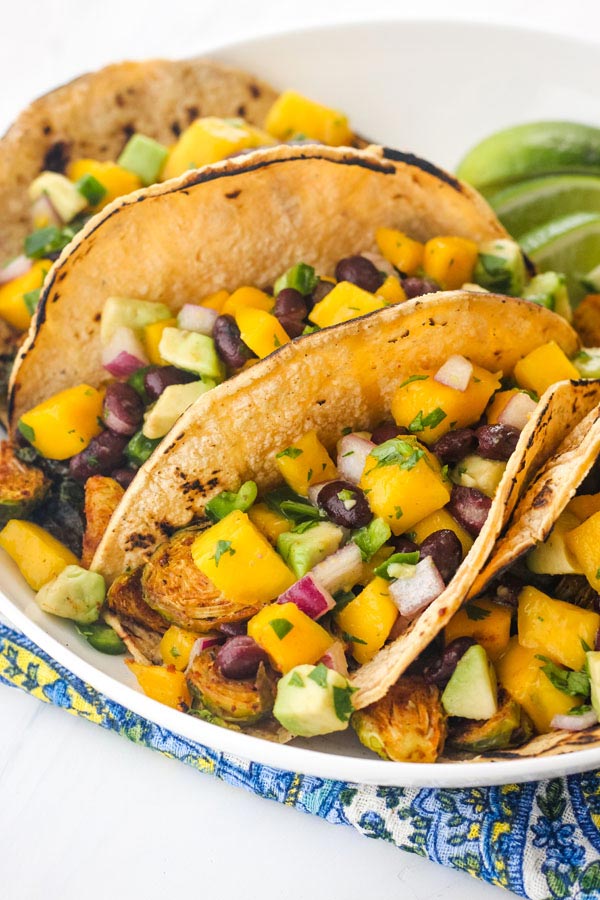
[
  {"x": 193, "y": 112},
  {"x": 197, "y": 487},
  {"x": 241, "y": 111},
  {"x": 128, "y": 130},
  {"x": 56, "y": 158},
  {"x": 47, "y": 129},
  {"x": 429, "y": 168},
  {"x": 97, "y": 317},
  {"x": 543, "y": 498},
  {"x": 254, "y": 90},
  {"x": 233, "y": 194},
  {"x": 139, "y": 541},
  {"x": 176, "y": 128}
]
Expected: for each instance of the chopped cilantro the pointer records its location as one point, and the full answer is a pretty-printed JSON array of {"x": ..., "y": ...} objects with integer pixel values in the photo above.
[
  {"x": 431, "y": 420},
  {"x": 346, "y": 430},
  {"x": 349, "y": 453},
  {"x": 345, "y": 495},
  {"x": 352, "y": 638},
  {"x": 342, "y": 599},
  {"x": 476, "y": 613},
  {"x": 571, "y": 683},
  {"x": 281, "y": 627},
  {"x": 580, "y": 710},
  {"x": 175, "y": 652},
  {"x": 291, "y": 452},
  {"x": 221, "y": 548},
  {"x": 301, "y": 527},
  {"x": 413, "y": 378},
  {"x": 293, "y": 509},
  {"x": 50, "y": 239},
  {"x": 31, "y": 300},
  {"x": 27, "y": 431},
  {"x": 296, "y": 680},
  {"x": 90, "y": 188},
  {"x": 276, "y": 341},
  {"x": 397, "y": 452},
  {"x": 403, "y": 559},
  {"x": 399, "y": 513},
  {"x": 319, "y": 675},
  {"x": 309, "y": 474},
  {"x": 342, "y": 702}
]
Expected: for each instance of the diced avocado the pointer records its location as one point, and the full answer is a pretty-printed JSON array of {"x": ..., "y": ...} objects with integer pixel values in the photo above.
[
  {"x": 22, "y": 488},
  {"x": 587, "y": 362},
  {"x": 139, "y": 448},
  {"x": 303, "y": 550},
  {"x": 191, "y": 351},
  {"x": 119, "y": 312},
  {"x": 510, "y": 727},
  {"x": 472, "y": 692},
  {"x": 62, "y": 194},
  {"x": 549, "y": 289},
  {"x": 144, "y": 157},
  {"x": 102, "y": 638},
  {"x": 313, "y": 700},
  {"x": 300, "y": 277},
  {"x": 173, "y": 401},
  {"x": 553, "y": 557},
  {"x": 593, "y": 669},
  {"x": 74, "y": 594},
  {"x": 500, "y": 267},
  {"x": 476, "y": 472},
  {"x": 591, "y": 281}
]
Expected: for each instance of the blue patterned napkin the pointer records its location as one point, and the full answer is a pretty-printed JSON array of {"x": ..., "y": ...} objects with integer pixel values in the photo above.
[{"x": 539, "y": 840}]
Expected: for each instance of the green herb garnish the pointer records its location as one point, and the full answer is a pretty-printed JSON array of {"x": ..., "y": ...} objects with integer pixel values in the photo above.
[
  {"x": 402, "y": 559},
  {"x": 291, "y": 452},
  {"x": 221, "y": 548},
  {"x": 571, "y": 683},
  {"x": 397, "y": 452},
  {"x": 281, "y": 627},
  {"x": 476, "y": 613},
  {"x": 319, "y": 675},
  {"x": 90, "y": 188}
]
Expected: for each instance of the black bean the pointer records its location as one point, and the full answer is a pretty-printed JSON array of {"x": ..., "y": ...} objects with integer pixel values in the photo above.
[
  {"x": 469, "y": 507},
  {"x": 445, "y": 549},
  {"x": 416, "y": 287},
  {"x": 360, "y": 271},
  {"x": 497, "y": 441},
  {"x": 123, "y": 476},
  {"x": 290, "y": 302},
  {"x": 122, "y": 409},
  {"x": 240, "y": 657},
  {"x": 157, "y": 378},
  {"x": 291, "y": 325},
  {"x": 228, "y": 341},
  {"x": 455, "y": 445},
  {"x": 320, "y": 292},
  {"x": 386, "y": 431},
  {"x": 233, "y": 629},
  {"x": 404, "y": 545},
  {"x": 335, "y": 498},
  {"x": 507, "y": 592},
  {"x": 441, "y": 670},
  {"x": 103, "y": 454}
]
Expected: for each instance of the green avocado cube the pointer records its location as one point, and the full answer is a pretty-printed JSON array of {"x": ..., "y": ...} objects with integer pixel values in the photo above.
[
  {"x": 191, "y": 351},
  {"x": 144, "y": 157},
  {"x": 303, "y": 550},
  {"x": 472, "y": 692}
]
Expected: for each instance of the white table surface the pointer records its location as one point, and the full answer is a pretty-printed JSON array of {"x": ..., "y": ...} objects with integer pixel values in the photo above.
[{"x": 84, "y": 813}]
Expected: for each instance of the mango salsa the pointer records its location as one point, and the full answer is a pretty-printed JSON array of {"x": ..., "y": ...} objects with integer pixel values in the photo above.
[
  {"x": 436, "y": 522},
  {"x": 346, "y": 301},
  {"x": 305, "y": 462},
  {"x": 260, "y": 331},
  {"x": 450, "y": 261},
  {"x": 368, "y": 619},
  {"x": 269, "y": 521},
  {"x": 498, "y": 405},
  {"x": 239, "y": 560},
  {"x": 247, "y": 296},
  {"x": 402, "y": 251},
  {"x": 392, "y": 291},
  {"x": 152, "y": 335},
  {"x": 206, "y": 141},
  {"x": 116, "y": 180},
  {"x": 293, "y": 115},
  {"x": 176, "y": 645},
  {"x": 488, "y": 623},
  {"x": 216, "y": 300},
  {"x": 555, "y": 628},
  {"x": 39, "y": 556},
  {"x": 167, "y": 686},
  {"x": 288, "y": 636},
  {"x": 429, "y": 409},
  {"x": 13, "y": 307},
  {"x": 584, "y": 544},
  {"x": 543, "y": 367},
  {"x": 65, "y": 423}
]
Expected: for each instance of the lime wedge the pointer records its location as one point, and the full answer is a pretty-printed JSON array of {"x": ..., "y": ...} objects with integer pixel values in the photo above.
[
  {"x": 570, "y": 244},
  {"x": 531, "y": 203}
]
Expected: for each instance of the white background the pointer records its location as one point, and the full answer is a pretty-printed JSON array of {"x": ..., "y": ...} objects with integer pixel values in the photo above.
[{"x": 83, "y": 813}]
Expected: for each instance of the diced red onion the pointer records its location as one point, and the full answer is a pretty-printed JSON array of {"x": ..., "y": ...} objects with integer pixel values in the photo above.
[
  {"x": 124, "y": 353},
  {"x": 455, "y": 373},
  {"x": 314, "y": 491},
  {"x": 335, "y": 658},
  {"x": 414, "y": 593},
  {"x": 342, "y": 569},
  {"x": 43, "y": 209},
  {"x": 574, "y": 723},
  {"x": 203, "y": 643},
  {"x": 309, "y": 597},
  {"x": 352, "y": 456},
  {"x": 517, "y": 411},
  {"x": 380, "y": 262},
  {"x": 192, "y": 317},
  {"x": 17, "y": 267}
]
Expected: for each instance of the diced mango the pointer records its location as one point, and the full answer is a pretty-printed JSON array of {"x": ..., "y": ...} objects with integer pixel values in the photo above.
[
  {"x": 584, "y": 544},
  {"x": 269, "y": 521},
  {"x": 247, "y": 296},
  {"x": 167, "y": 686},
  {"x": 391, "y": 290},
  {"x": 260, "y": 331},
  {"x": 152, "y": 335},
  {"x": 543, "y": 367},
  {"x": 555, "y": 628},
  {"x": 39, "y": 556},
  {"x": 498, "y": 405},
  {"x": 293, "y": 115},
  {"x": 65, "y": 423},
  {"x": 116, "y": 180},
  {"x": 488, "y": 623},
  {"x": 520, "y": 673},
  {"x": 405, "y": 491},
  {"x": 450, "y": 261},
  {"x": 176, "y": 645},
  {"x": 216, "y": 300},
  {"x": 584, "y": 506},
  {"x": 346, "y": 301},
  {"x": 367, "y": 620},
  {"x": 305, "y": 462},
  {"x": 402, "y": 251},
  {"x": 239, "y": 560},
  {"x": 438, "y": 520},
  {"x": 206, "y": 141},
  {"x": 431, "y": 409},
  {"x": 288, "y": 636},
  {"x": 13, "y": 308}
]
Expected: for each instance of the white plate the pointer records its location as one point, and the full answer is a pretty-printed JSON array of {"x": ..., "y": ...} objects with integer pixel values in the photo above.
[{"x": 433, "y": 89}]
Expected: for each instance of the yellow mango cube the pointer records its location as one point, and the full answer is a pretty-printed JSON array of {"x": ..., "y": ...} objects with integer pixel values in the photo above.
[
  {"x": 116, "y": 180},
  {"x": 176, "y": 645},
  {"x": 450, "y": 261},
  {"x": 247, "y": 296},
  {"x": 152, "y": 335},
  {"x": 488, "y": 623},
  {"x": 346, "y": 301},
  {"x": 520, "y": 673},
  {"x": 584, "y": 544},
  {"x": 555, "y": 628},
  {"x": 65, "y": 423},
  {"x": 206, "y": 141},
  {"x": 13, "y": 308},
  {"x": 294, "y": 115},
  {"x": 216, "y": 300},
  {"x": 260, "y": 331},
  {"x": 239, "y": 560},
  {"x": 369, "y": 619},
  {"x": 269, "y": 521},
  {"x": 543, "y": 367},
  {"x": 438, "y": 520},
  {"x": 289, "y": 636},
  {"x": 406, "y": 490},
  {"x": 431, "y": 409},
  {"x": 392, "y": 291},
  {"x": 584, "y": 506},
  {"x": 39, "y": 556},
  {"x": 398, "y": 248},
  {"x": 167, "y": 686},
  {"x": 305, "y": 462}
]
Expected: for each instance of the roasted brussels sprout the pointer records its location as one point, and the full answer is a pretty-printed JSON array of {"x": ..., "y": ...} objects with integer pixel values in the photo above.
[
  {"x": 102, "y": 496},
  {"x": 407, "y": 725},
  {"x": 241, "y": 702},
  {"x": 510, "y": 727},
  {"x": 22, "y": 487},
  {"x": 175, "y": 587},
  {"x": 125, "y": 598}
]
